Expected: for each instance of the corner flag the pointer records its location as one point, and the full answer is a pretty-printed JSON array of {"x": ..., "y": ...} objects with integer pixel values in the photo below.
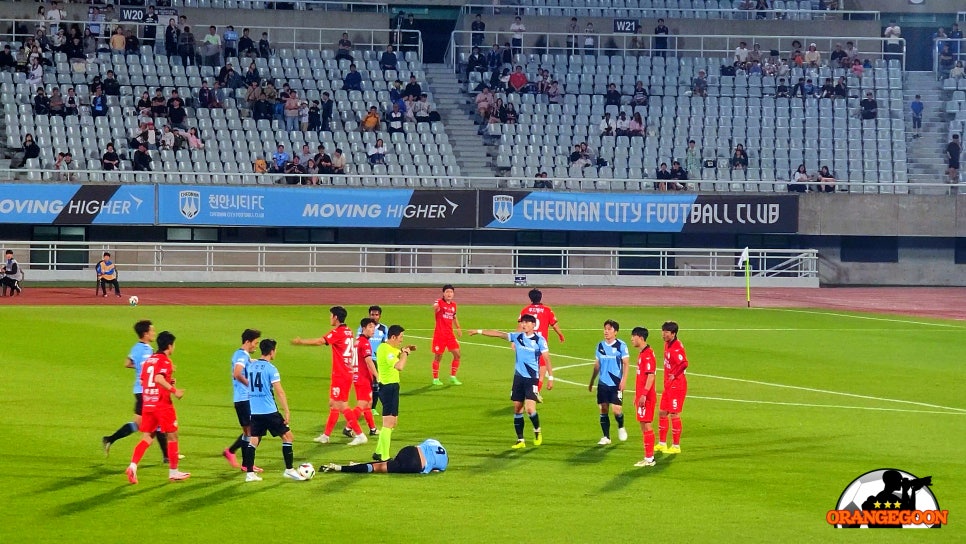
[{"x": 745, "y": 261}]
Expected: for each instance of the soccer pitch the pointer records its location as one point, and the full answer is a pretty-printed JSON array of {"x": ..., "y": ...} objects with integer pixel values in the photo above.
[{"x": 785, "y": 408}]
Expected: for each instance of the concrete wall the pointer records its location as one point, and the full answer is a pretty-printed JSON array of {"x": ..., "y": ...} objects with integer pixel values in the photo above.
[
  {"x": 882, "y": 215},
  {"x": 919, "y": 264}
]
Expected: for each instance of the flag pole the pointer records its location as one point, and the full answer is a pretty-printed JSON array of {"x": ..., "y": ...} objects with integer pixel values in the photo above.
[{"x": 748, "y": 282}]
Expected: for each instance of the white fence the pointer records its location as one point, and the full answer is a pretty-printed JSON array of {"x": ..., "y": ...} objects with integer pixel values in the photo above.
[{"x": 398, "y": 264}]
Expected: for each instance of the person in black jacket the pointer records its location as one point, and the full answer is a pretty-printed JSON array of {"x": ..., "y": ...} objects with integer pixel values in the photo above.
[
  {"x": 142, "y": 160},
  {"x": 30, "y": 149}
]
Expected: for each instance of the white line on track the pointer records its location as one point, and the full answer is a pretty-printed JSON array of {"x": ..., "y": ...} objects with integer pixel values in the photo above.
[
  {"x": 949, "y": 409},
  {"x": 867, "y": 317}
]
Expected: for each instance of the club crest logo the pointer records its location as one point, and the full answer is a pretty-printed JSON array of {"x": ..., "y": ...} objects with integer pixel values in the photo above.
[
  {"x": 189, "y": 203},
  {"x": 502, "y": 208},
  {"x": 888, "y": 498}
]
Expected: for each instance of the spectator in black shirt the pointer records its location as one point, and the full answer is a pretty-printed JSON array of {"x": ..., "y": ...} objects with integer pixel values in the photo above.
[
  {"x": 6, "y": 59},
  {"x": 142, "y": 159},
  {"x": 325, "y": 112},
  {"x": 612, "y": 97},
  {"x": 110, "y": 84},
  {"x": 388, "y": 60},
  {"x": 246, "y": 46},
  {"x": 412, "y": 88},
  {"x": 782, "y": 90},
  {"x": 295, "y": 170},
  {"x": 110, "y": 160},
  {"x": 953, "y": 151},
  {"x": 870, "y": 108},
  {"x": 30, "y": 150}
]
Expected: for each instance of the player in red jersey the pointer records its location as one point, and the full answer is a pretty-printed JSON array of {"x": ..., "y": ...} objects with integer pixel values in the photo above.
[
  {"x": 157, "y": 411},
  {"x": 366, "y": 374},
  {"x": 340, "y": 340},
  {"x": 645, "y": 396},
  {"x": 545, "y": 320},
  {"x": 443, "y": 338},
  {"x": 675, "y": 388}
]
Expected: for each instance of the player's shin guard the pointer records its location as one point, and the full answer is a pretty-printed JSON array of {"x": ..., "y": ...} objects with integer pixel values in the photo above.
[
  {"x": 619, "y": 418},
  {"x": 352, "y": 420},
  {"x": 454, "y": 367},
  {"x": 173, "y": 455},
  {"x": 518, "y": 425},
  {"x": 125, "y": 430},
  {"x": 162, "y": 443},
  {"x": 139, "y": 450},
  {"x": 649, "y": 444},
  {"x": 330, "y": 423},
  {"x": 248, "y": 457},
  {"x": 367, "y": 413},
  {"x": 662, "y": 426},
  {"x": 288, "y": 454},
  {"x": 605, "y": 424},
  {"x": 676, "y": 430},
  {"x": 435, "y": 369}
]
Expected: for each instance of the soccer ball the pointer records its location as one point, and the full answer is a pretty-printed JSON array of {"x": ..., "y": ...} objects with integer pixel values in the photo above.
[
  {"x": 306, "y": 470},
  {"x": 133, "y": 301}
]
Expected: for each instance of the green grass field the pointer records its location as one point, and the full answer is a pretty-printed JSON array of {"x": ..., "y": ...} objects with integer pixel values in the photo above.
[{"x": 785, "y": 409}]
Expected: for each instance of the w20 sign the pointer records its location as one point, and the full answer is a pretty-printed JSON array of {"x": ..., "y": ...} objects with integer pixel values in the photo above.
[
  {"x": 133, "y": 14},
  {"x": 625, "y": 26}
]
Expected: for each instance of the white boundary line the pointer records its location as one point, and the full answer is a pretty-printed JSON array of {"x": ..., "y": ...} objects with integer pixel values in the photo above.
[
  {"x": 865, "y": 317},
  {"x": 949, "y": 410}
]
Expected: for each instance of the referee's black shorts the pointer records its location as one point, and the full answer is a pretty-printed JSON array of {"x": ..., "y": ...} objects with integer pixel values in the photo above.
[{"x": 389, "y": 396}]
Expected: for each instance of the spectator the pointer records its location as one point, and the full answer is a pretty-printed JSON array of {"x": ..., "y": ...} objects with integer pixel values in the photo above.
[
  {"x": 852, "y": 53},
  {"x": 640, "y": 96},
  {"x": 305, "y": 155},
  {"x": 660, "y": 39},
  {"x": 63, "y": 166},
  {"x": 496, "y": 112},
  {"x": 311, "y": 171},
  {"x": 612, "y": 97},
  {"x": 159, "y": 106},
  {"x": 762, "y": 8},
  {"x": 423, "y": 112},
  {"x": 7, "y": 62},
  {"x": 177, "y": 115},
  {"x": 640, "y": 42},
  {"x": 172, "y": 37},
  {"x": 893, "y": 45},
  {"x": 71, "y": 103},
  {"x": 338, "y": 162},
  {"x": 955, "y": 37},
  {"x": 507, "y": 54},
  {"x": 194, "y": 140},
  {"x": 264, "y": 46},
  {"x": 291, "y": 111},
  {"x": 409, "y": 35},
  {"x": 746, "y": 5},
  {"x": 577, "y": 158},
  {"x": 325, "y": 111},
  {"x": 388, "y": 60},
  {"x": 294, "y": 172},
  {"x": 394, "y": 120},
  {"x": 916, "y": 107},
  {"x": 699, "y": 86},
  {"x": 957, "y": 72},
  {"x": 204, "y": 95},
  {"x": 484, "y": 101},
  {"x": 352, "y": 80},
  {"x": 606, "y": 126},
  {"x": 554, "y": 96},
  {"x": 953, "y": 152},
  {"x": 664, "y": 178},
  {"x": 322, "y": 160},
  {"x": 517, "y": 29},
  {"x": 30, "y": 150},
  {"x": 377, "y": 152},
  {"x": 692, "y": 158},
  {"x": 494, "y": 59},
  {"x": 370, "y": 122},
  {"x": 118, "y": 41},
  {"x": 869, "y": 107},
  {"x": 813, "y": 57},
  {"x": 808, "y": 89},
  {"x": 828, "y": 89},
  {"x": 303, "y": 115},
  {"x": 132, "y": 45},
  {"x": 56, "y": 102},
  {"x": 35, "y": 74},
  {"x": 228, "y": 77},
  {"x": 590, "y": 40},
  {"x": 58, "y": 41},
  {"x": 508, "y": 115},
  {"x": 230, "y": 42},
  {"x": 542, "y": 182},
  {"x": 246, "y": 45},
  {"x": 41, "y": 102},
  {"x": 98, "y": 103},
  {"x": 946, "y": 61},
  {"x": 679, "y": 175},
  {"x": 476, "y": 62},
  {"x": 518, "y": 80},
  {"x": 478, "y": 27},
  {"x": 107, "y": 274},
  {"x": 754, "y": 68},
  {"x": 622, "y": 125},
  {"x": 826, "y": 181},
  {"x": 799, "y": 181},
  {"x": 141, "y": 162},
  {"x": 857, "y": 68},
  {"x": 841, "y": 89},
  {"x": 262, "y": 109},
  {"x": 344, "y": 48},
  {"x": 839, "y": 58},
  {"x": 739, "y": 159},
  {"x": 211, "y": 48},
  {"x": 636, "y": 126},
  {"x": 755, "y": 54},
  {"x": 279, "y": 159},
  {"x": 413, "y": 88},
  {"x": 111, "y": 85},
  {"x": 186, "y": 47},
  {"x": 217, "y": 96},
  {"x": 252, "y": 75},
  {"x": 741, "y": 55},
  {"x": 110, "y": 159}
]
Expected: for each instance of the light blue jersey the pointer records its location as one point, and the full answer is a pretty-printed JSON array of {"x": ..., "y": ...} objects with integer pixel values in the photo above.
[
  {"x": 378, "y": 337},
  {"x": 261, "y": 375},
  {"x": 435, "y": 454},
  {"x": 240, "y": 357},
  {"x": 527, "y": 350},
  {"x": 611, "y": 358},
  {"x": 139, "y": 353}
]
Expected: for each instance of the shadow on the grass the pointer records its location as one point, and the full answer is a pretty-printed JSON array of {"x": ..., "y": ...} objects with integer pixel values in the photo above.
[
  {"x": 632, "y": 474},
  {"x": 593, "y": 454}
]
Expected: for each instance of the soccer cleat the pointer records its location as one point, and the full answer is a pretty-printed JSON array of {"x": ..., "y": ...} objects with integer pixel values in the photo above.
[
  {"x": 622, "y": 434},
  {"x": 538, "y": 438},
  {"x": 177, "y": 476},
  {"x": 673, "y": 449},
  {"x": 293, "y": 474},
  {"x": 252, "y": 477},
  {"x": 232, "y": 460},
  {"x": 376, "y": 457},
  {"x": 539, "y": 398},
  {"x": 331, "y": 467},
  {"x": 454, "y": 381},
  {"x": 346, "y": 432},
  {"x": 373, "y": 432},
  {"x": 437, "y": 381},
  {"x": 132, "y": 474},
  {"x": 106, "y": 443},
  {"x": 646, "y": 462},
  {"x": 254, "y": 469},
  {"x": 519, "y": 445},
  {"x": 604, "y": 441},
  {"x": 660, "y": 446},
  {"x": 359, "y": 439},
  {"x": 321, "y": 439}
]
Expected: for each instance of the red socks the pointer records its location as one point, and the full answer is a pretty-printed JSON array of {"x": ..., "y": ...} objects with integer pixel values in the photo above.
[
  {"x": 367, "y": 413},
  {"x": 173, "y": 454},
  {"x": 662, "y": 429},
  {"x": 330, "y": 423},
  {"x": 454, "y": 367},
  {"x": 139, "y": 451},
  {"x": 649, "y": 444},
  {"x": 353, "y": 422},
  {"x": 676, "y": 431},
  {"x": 435, "y": 369}
]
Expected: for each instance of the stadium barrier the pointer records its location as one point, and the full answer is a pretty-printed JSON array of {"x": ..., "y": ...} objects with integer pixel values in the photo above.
[
  {"x": 407, "y": 264},
  {"x": 668, "y": 13}
]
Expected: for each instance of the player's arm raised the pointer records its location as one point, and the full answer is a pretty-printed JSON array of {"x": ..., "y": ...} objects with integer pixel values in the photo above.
[
  {"x": 163, "y": 382},
  {"x": 593, "y": 375},
  {"x": 297, "y": 341},
  {"x": 282, "y": 400},
  {"x": 488, "y": 332}
]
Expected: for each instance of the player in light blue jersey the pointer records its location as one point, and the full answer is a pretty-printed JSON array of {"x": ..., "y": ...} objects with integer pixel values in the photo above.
[
  {"x": 612, "y": 359},
  {"x": 266, "y": 396},
  {"x": 239, "y": 382},
  {"x": 378, "y": 337},
  {"x": 528, "y": 347},
  {"x": 429, "y": 456},
  {"x": 135, "y": 358}
]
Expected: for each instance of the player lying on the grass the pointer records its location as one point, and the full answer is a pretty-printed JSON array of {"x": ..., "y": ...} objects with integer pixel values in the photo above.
[
  {"x": 392, "y": 358},
  {"x": 429, "y": 456},
  {"x": 528, "y": 347}
]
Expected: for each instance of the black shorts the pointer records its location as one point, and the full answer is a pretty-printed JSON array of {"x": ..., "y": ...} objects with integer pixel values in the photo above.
[
  {"x": 389, "y": 397},
  {"x": 954, "y": 164},
  {"x": 243, "y": 409},
  {"x": 272, "y": 423},
  {"x": 609, "y": 394},
  {"x": 138, "y": 403},
  {"x": 407, "y": 461},
  {"x": 523, "y": 389}
]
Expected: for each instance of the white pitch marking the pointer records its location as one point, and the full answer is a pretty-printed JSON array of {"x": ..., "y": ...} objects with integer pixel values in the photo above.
[{"x": 866, "y": 317}]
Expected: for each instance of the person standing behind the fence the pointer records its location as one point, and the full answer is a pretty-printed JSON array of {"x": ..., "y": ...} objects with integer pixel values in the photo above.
[
  {"x": 893, "y": 46},
  {"x": 12, "y": 275},
  {"x": 516, "y": 42},
  {"x": 107, "y": 274},
  {"x": 660, "y": 39},
  {"x": 478, "y": 27}
]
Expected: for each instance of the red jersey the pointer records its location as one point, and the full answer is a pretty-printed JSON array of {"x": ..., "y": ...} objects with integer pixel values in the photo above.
[
  {"x": 675, "y": 360},
  {"x": 340, "y": 340},
  {"x": 445, "y": 314},
  {"x": 154, "y": 395},
  {"x": 363, "y": 350},
  {"x": 646, "y": 364},
  {"x": 545, "y": 318}
]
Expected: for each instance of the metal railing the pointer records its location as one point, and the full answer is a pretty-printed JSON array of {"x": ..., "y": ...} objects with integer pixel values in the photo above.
[
  {"x": 957, "y": 50},
  {"x": 300, "y": 5},
  {"x": 677, "y": 45},
  {"x": 276, "y": 263},
  {"x": 539, "y": 9}
]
